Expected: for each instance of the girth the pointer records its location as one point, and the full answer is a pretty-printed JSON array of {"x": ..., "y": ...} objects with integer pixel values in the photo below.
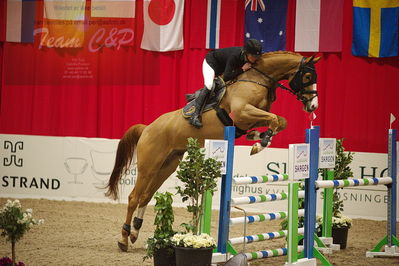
[{"x": 227, "y": 121}]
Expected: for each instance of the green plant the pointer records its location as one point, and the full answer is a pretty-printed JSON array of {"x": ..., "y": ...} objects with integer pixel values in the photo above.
[
  {"x": 14, "y": 223},
  {"x": 301, "y": 205},
  {"x": 163, "y": 222},
  {"x": 342, "y": 170},
  {"x": 198, "y": 175}
]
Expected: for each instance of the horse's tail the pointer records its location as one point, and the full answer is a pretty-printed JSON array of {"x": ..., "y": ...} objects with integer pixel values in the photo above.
[{"x": 124, "y": 156}]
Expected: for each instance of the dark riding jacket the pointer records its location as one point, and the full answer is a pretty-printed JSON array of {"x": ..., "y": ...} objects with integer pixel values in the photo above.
[{"x": 227, "y": 61}]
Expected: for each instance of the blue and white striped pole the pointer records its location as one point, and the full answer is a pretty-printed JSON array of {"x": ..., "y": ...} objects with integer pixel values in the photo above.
[
  {"x": 312, "y": 137},
  {"x": 392, "y": 172},
  {"x": 225, "y": 194}
]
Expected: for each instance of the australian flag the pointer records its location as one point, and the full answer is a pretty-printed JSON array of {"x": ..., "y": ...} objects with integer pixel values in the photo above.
[{"x": 265, "y": 20}]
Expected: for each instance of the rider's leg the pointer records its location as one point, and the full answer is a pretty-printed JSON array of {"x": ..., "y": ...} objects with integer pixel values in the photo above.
[{"x": 209, "y": 75}]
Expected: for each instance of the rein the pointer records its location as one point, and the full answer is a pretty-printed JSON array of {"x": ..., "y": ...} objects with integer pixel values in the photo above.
[{"x": 298, "y": 87}]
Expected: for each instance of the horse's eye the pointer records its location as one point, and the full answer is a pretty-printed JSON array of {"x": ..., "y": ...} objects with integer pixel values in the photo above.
[{"x": 306, "y": 78}]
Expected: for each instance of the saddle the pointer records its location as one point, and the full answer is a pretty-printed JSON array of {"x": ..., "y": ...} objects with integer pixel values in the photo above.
[{"x": 212, "y": 102}]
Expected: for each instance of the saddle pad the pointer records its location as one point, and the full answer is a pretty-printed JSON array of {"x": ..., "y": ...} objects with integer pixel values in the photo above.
[{"x": 214, "y": 99}]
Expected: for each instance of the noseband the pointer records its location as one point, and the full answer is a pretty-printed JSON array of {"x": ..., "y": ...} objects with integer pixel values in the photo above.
[{"x": 297, "y": 87}]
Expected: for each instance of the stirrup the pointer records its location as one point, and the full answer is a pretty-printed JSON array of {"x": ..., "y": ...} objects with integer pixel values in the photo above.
[{"x": 195, "y": 120}]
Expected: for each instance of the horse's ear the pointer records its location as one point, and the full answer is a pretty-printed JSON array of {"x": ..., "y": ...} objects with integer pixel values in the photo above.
[
  {"x": 312, "y": 59},
  {"x": 309, "y": 59},
  {"x": 315, "y": 60}
]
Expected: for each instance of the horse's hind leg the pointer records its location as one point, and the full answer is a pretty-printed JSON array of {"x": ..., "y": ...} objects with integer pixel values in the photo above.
[
  {"x": 151, "y": 175},
  {"x": 154, "y": 184},
  {"x": 132, "y": 205},
  {"x": 148, "y": 166}
]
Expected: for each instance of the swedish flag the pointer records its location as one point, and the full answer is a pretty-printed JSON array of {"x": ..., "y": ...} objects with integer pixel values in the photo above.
[{"x": 375, "y": 28}]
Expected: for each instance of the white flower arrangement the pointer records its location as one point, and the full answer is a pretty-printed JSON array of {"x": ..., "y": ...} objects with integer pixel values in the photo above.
[
  {"x": 14, "y": 222},
  {"x": 338, "y": 221},
  {"x": 341, "y": 221},
  {"x": 193, "y": 241}
]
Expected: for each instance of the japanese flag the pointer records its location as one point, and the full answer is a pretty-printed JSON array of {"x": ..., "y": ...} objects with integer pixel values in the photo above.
[{"x": 163, "y": 25}]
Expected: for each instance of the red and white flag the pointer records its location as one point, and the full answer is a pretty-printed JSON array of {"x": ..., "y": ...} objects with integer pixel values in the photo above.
[
  {"x": 112, "y": 18},
  {"x": 318, "y": 25},
  {"x": 63, "y": 23},
  {"x": 163, "y": 25},
  {"x": 222, "y": 26}
]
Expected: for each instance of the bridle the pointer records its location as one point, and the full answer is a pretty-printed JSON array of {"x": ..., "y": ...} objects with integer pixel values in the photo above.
[{"x": 297, "y": 87}]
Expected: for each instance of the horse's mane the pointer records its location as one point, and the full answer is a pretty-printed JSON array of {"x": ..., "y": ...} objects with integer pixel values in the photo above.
[{"x": 280, "y": 52}]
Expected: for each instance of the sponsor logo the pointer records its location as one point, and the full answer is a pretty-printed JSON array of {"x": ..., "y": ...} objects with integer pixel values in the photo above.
[{"x": 13, "y": 160}]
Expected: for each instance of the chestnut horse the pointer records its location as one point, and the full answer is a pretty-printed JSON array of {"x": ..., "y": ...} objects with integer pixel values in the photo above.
[{"x": 160, "y": 145}]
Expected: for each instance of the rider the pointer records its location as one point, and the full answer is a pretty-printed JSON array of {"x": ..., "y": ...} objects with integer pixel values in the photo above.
[{"x": 230, "y": 62}]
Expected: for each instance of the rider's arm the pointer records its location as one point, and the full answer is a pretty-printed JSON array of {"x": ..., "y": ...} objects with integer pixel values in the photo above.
[{"x": 232, "y": 70}]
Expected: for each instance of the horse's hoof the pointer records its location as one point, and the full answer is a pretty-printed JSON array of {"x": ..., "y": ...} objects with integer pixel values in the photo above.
[
  {"x": 122, "y": 246},
  {"x": 133, "y": 238},
  {"x": 256, "y": 148}
]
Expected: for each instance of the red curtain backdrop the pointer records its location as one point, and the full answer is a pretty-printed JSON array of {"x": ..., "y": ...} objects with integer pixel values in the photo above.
[{"x": 130, "y": 85}]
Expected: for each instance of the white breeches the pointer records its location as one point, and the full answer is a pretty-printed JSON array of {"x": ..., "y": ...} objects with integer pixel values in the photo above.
[{"x": 209, "y": 75}]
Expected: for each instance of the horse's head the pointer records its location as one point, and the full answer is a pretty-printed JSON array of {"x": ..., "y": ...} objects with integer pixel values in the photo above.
[
  {"x": 298, "y": 70},
  {"x": 302, "y": 82}
]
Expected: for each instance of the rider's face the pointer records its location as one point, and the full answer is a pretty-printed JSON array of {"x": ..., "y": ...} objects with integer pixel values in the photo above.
[{"x": 251, "y": 58}]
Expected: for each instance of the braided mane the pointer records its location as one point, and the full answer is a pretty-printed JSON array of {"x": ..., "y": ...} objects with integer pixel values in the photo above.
[{"x": 280, "y": 52}]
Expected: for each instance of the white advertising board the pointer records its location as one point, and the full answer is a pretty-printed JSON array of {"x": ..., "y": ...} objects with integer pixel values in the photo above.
[
  {"x": 71, "y": 168},
  {"x": 217, "y": 149},
  {"x": 298, "y": 159},
  {"x": 327, "y": 147}
]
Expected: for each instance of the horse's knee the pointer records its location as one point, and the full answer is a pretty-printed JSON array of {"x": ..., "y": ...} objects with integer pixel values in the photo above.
[{"x": 282, "y": 123}]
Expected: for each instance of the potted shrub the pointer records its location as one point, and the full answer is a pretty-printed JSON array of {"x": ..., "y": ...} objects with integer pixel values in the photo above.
[
  {"x": 159, "y": 246},
  {"x": 14, "y": 223},
  {"x": 197, "y": 175},
  {"x": 342, "y": 170}
]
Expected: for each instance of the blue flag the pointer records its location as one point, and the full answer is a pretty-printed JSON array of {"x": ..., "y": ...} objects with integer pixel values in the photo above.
[
  {"x": 375, "y": 28},
  {"x": 265, "y": 20}
]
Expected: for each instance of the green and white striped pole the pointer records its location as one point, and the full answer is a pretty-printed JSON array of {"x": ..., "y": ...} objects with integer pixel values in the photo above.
[
  {"x": 328, "y": 206},
  {"x": 293, "y": 222}
]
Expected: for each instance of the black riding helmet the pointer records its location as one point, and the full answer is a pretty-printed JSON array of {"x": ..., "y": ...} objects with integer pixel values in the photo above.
[{"x": 253, "y": 47}]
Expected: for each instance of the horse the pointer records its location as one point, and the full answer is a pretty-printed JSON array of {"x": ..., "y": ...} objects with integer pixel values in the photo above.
[{"x": 160, "y": 145}]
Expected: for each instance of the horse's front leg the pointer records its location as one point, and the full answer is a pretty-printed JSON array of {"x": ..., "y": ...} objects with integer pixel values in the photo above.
[
  {"x": 258, "y": 135},
  {"x": 259, "y": 117}
]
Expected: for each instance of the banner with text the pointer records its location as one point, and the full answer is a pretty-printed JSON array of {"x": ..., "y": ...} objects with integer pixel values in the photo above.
[{"x": 72, "y": 168}]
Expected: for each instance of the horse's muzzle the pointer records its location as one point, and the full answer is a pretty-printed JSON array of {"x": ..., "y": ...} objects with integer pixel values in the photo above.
[{"x": 311, "y": 104}]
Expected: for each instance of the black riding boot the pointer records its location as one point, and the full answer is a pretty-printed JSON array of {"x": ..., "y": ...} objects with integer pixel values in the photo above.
[{"x": 199, "y": 103}]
